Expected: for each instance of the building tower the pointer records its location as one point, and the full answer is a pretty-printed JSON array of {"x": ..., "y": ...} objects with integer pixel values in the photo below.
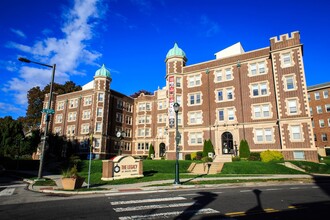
[{"x": 175, "y": 61}]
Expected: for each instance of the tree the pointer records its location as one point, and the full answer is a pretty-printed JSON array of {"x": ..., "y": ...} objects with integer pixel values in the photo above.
[
  {"x": 11, "y": 134},
  {"x": 36, "y": 97},
  {"x": 151, "y": 151},
  {"x": 136, "y": 94},
  {"x": 244, "y": 149},
  {"x": 207, "y": 148}
]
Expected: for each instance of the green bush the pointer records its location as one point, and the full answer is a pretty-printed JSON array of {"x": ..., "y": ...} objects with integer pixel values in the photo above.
[
  {"x": 193, "y": 155},
  {"x": 207, "y": 159},
  {"x": 207, "y": 148},
  {"x": 187, "y": 157},
  {"x": 244, "y": 149},
  {"x": 236, "y": 158},
  {"x": 199, "y": 155},
  {"x": 270, "y": 155},
  {"x": 254, "y": 156}
]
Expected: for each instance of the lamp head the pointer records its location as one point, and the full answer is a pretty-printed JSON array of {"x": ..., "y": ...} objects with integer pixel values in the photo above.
[
  {"x": 22, "y": 59},
  {"x": 176, "y": 107}
]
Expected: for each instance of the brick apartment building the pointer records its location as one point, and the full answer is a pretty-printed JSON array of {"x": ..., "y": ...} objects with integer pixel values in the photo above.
[
  {"x": 258, "y": 95},
  {"x": 319, "y": 104}
]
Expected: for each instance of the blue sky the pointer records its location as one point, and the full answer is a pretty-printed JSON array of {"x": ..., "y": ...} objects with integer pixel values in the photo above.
[{"x": 132, "y": 38}]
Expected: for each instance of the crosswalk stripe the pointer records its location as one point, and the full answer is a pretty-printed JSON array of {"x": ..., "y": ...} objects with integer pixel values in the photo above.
[
  {"x": 7, "y": 192},
  {"x": 168, "y": 214},
  {"x": 147, "y": 200},
  {"x": 145, "y": 207}
]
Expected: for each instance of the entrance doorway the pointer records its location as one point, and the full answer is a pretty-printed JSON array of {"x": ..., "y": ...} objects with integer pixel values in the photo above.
[
  {"x": 162, "y": 150},
  {"x": 227, "y": 143}
]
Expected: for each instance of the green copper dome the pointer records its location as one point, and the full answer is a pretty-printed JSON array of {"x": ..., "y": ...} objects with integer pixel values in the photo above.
[
  {"x": 103, "y": 72},
  {"x": 175, "y": 51}
]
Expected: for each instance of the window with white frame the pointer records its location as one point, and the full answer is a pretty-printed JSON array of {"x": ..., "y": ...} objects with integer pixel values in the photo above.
[
  {"x": 225, "y": 94},
  {"x": 313, "y": 123},
  {"x": 178, "y": 82},
  {"x": 261, "y": 111},
  {"x": 221, "y": 75},
  {"x": 309, "y": 97},
  {"x": 328, "y": 122},
  {"x": 311, "y": 110},
  {"x": 194, "y": 80},
  {"x": 60, "y": 105},
  {"x": 58, "y": 130},
  {"x": 98, "y": 126},
  {"x": 292, "y": 106},
  {"x": 321, "y": 123},
  {"x": 148, "y": 108},
  {"x": 59, "y": 118},
  {"x": 299, "y": 155},
  {"x": 160, "y": 105},
  {"x": 87, "y": 100},
  {"x": 85, "y": 128},
  {"x": 140, "y": 146},
  {"x": 319, "y": 109},
  {"x": 290, "y": 83},
  {"x": 99, "y": 112},
  {"x": 194, "y": 99},
  {"x": 325, "y": 94},
  {"x": 128, "y": 120},
  {"x": 195, "y": 117},
  {"x": 86, "y": 114},
  {"x": 100, "y": 97},
  {"x": 286, "y": 59},
  {"x": 324, "y": 137},
  {"x": 119, "y": 117},
  {"x": 258, "y": 68},
  {"x": 73, "y": 103},
  {"x": 147, "y": 132},
  {"x": 196, "y": 138},
  {"x": 160, "y": 118},
  {"x": 97, "y": 142},
  {"x": 263, "y": 135},
  {"x": 72, "y": 116},
  {"x": 296, "y": 133},
  {"x": 179, "y": 119},
  {"x": 70, "y": 130},
  {"x": 159, "y": 132},
  {"x": 179, "y": 99},
  {"x": 226, "y": 114},
  {"x": 120, "y": 104},
  {"x": 259, "y": 89},
  {"x": 317, "y": 95},
  {"x": 128, "y": 132},
  {"x": 141, "y": 132},
  {"x": 327, "y": 107}
]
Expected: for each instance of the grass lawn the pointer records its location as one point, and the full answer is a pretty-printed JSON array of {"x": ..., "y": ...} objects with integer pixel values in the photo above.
[{"x": 165, "y": 169}]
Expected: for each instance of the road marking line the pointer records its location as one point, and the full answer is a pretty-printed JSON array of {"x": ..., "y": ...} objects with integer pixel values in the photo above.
[
  {"x": 292, "y": 207},
  {"x": 235, "y": 214},
  {"x": 294, "y": 187},
  {"x": 145, "y": 207},
  {"x": 248, "y": 190},
  {"x": 269, "y": 210},
  {"x": 147, "y": 200},
  {"x": 169, "y": 214},
  {"x": 7, "y": 192},
  {"x": 272, "y": 189}
]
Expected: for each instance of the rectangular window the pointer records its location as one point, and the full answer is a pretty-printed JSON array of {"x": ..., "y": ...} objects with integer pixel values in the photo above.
[
  {"x": 100, "y": 97},
  {"x": 317, "y": 95},
  {"x": 327, "y": 107},
  {"x": 229, "y": 94},
  {"x": 324, "y": 137},
  {"x": 253, "y": 68},
  {"x": 261, "y": 67},
  {"x": 220, "y": 95},
  {"x": 178, "y": 82},
  {"x": 60, "y": 106},
  {"x": 73, "y": 103},
  {"x": 86, "y": 114},
  {"x": 88, "y": 100},
  {"x": 179, "y": 99},
  {"x": 319, "y": 109},
  {"x": 296, "y": 132},
  {"x": 196, "y": 137},
  {"x": 195, "y": 99},
  {"x": 263, "y": 135},
  {"x": 321, "y": 122},
  {"x": 292, "y": 106},
  {"x": 195, "y": 117},
  {"x": 325, "y": 94},
  {"x": 218, "y": 75},
  {"x": 299, "y": 155},
  {"x": 289, "y": 83},
  {"x": 99, "y": 112},
  {"x": 221, "y": 115},
  {"x": 228, "y": 74},
  {"x": 287, "y": 59},
  {"x": 59, "y": 118},
  {"x": 98, "y": 127},
  {"x": 194, "y": 80},
  {"x": 72, "y": 116},
  {"x": 231, "y": 115}
]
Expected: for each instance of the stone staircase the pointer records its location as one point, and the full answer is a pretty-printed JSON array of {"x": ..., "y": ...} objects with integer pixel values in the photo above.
[{"x": 205, "y": 168}]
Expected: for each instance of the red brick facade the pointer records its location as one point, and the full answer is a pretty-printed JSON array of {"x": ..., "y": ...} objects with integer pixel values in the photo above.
[{"x": 259, "y": 95}]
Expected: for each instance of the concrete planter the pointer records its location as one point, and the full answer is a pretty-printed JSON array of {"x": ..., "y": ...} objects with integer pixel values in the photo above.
[{"x": 72, "y": 183}]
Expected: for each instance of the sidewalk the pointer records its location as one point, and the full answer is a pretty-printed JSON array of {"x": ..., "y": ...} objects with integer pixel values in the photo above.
[{"x": 152, "y": 186}]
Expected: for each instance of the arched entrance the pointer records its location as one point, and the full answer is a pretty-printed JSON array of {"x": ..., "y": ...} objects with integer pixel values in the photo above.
[
  {"x": 227, "y": 143},
  {"x": 162, "y": 150}
]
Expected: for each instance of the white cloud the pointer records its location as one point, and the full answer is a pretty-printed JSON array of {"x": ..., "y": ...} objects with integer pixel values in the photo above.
[
  {"x": 18, "y": 32},
  {"x": 68, "y": 52},
  {"x": 211, "y": 27}
]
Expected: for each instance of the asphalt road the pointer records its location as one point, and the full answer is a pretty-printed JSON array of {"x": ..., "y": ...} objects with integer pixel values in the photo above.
[{"x": 299, "y": 201}]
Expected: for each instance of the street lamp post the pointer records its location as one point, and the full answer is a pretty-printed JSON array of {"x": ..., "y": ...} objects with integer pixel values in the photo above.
[
  {"x": 48, "y": 111},
  {"x": 176, "y": 107}
]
